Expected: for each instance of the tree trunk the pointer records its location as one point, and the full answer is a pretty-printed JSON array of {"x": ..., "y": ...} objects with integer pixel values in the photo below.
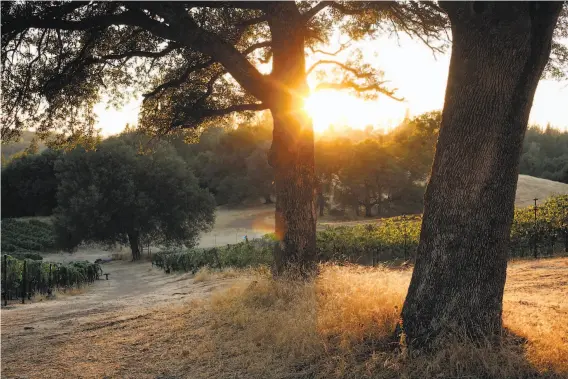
[
  {"x": 368, "y": 210},
  {"x": 321, "y": 202},
  {"x": 267, "y": 199},
  {"x": 134, "y": 240},
  {"x": 499, "y": 51},
  {"x": 292, "y": 151}
]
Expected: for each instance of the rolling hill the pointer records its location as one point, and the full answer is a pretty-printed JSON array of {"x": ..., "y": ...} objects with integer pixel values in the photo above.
[{"x": 529, "y": 187}]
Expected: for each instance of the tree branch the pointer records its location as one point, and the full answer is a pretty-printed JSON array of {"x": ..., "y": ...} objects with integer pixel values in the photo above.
[
  {"x": 348, "y": 84},
  {"x": 315, "y": 10},
  {"x": 201, "y": 113},
  {"x": 234, "y": 108},
  {"x": 124, "y": 18},
  {"x": 178, "y": 81},
  {"x": 257, "y": 46},
  {"x": 341, "y": 48},
  {"x": 182, "y": 28},
  {"x": 210, "y": 88},
  {"x": 138, "y": 53},
  {"x": 342, "y": 65},
  {"x": 257, "y": 5},
  {"x": 253, "y": 21},
  {"x": 186, "y": 31}
]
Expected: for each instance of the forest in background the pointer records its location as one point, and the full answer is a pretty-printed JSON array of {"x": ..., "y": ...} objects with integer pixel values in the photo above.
[{"x": 359, "y": 172}]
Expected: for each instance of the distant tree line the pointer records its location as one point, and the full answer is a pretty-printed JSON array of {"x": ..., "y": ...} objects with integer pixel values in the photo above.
[
  {"x": 363, "y": 172},
  {"x": 545, "y": 154}
]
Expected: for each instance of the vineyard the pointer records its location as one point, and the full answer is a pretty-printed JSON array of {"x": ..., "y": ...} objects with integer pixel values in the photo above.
[
  {"x": 244, "y": 254},
  {"x": 390, "y": 240},
  {"x": 22, "y": 238},
  {"x": 543, "y": 232},
  {"x": 24, "y": 278}
]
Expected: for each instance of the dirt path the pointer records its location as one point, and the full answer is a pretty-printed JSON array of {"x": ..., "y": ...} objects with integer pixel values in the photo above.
[
  {"x": 131, "y": 292},
  {"x": 135, "y": 287}
]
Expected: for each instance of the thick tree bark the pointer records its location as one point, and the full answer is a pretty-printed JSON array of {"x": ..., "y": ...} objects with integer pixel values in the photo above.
[
  {"x": 134, "y": 240},
  {"x": 499, "y": 51},
  {"x": 292, "y": 151}
]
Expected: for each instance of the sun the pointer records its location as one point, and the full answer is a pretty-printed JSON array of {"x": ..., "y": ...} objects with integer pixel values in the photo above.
[{"x": 328, "y": 108}]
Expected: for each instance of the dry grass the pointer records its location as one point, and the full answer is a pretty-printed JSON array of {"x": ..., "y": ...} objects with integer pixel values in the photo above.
[
  {"x": 337, "y": 327},
  {"x": 341, "y": 326},
  {"x": 58, "y": 294},
  {"x": 70, "y": 291},
  {"x": 207, "y": 274}
]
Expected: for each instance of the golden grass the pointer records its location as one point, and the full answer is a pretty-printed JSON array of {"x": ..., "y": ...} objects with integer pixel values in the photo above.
[
  {"x": 59, "y": 294},
  {"x": 340, "y": 326},
  {"x": 207, "y": 274},
  {"x": 336, "y": 327},
  {"x": 70, "y": 291}
]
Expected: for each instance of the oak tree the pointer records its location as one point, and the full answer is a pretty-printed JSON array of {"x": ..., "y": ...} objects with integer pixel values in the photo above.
[
  {"x": 499, "y": 53},
  {"x": 124, "y": 192},
  {"x": 195, "y": 60}
]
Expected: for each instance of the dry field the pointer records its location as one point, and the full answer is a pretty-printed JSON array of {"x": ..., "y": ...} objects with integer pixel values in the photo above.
[{"x": 143, "y": 323}]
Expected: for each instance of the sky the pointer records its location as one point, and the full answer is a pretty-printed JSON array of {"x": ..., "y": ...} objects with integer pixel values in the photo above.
[{"x": 411, "y": 67}]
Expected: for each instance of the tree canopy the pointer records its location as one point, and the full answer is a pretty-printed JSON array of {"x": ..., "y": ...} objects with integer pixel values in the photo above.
[
  {"x": 29, "y": 185},
  {"x": 118, "y": 193},
  {"x": 193, "y": 61},
  {"x": 190, "y": 60}
]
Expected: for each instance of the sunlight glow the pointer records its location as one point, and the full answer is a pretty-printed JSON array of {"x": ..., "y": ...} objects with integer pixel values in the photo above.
[
  {"x": 408, "y": 66},
  {"x": 338, "y": 109}
]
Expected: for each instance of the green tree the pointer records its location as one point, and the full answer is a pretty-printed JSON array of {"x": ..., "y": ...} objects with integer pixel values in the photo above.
[
  {"x": 121, "y": 193},
  {"x": 18, "y": 146},
  {"x": 414, "y": 142},
  {"x": 545, "y": 153},
  {"x": 371, "y": 177},
  {"x": 555, "y": 210},
  {"x": 29, "y": 185},
  {"x": 331, "y": 155},
  {"x": 194, "y": 61}
]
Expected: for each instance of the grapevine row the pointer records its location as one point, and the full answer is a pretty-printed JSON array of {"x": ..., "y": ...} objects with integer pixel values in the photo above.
[{"x": 392, "y": 239}]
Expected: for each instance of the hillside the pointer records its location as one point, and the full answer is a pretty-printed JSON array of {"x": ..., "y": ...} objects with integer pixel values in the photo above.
[{"x": 529, "y": 187}]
